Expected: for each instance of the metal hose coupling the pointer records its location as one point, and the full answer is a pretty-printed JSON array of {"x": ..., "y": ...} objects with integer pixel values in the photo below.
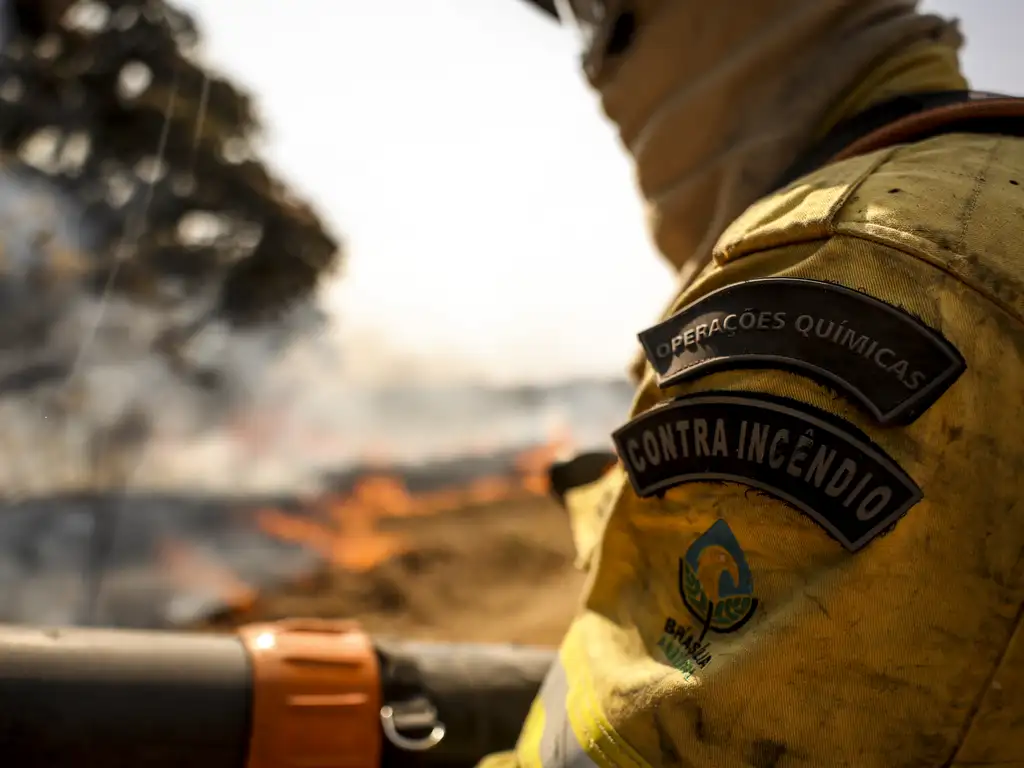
[{"x": 414, "y": 715}]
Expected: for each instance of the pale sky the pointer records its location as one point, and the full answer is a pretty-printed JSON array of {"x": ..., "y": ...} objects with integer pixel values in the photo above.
[{"x": 488, "y": 209}]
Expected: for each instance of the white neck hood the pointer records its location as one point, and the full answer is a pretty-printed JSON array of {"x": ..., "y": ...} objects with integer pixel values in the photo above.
[{"x": 714, "y": 100}]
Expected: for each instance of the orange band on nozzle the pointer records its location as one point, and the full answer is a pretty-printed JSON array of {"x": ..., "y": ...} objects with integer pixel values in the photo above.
[{"x": 316, "y": 695}]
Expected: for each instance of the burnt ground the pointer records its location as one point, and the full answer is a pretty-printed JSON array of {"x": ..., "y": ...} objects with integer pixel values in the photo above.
[{"x": 497, "y": 573}]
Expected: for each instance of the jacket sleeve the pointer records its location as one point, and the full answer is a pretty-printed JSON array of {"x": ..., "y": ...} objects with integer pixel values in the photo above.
[{"x": 812, "y": 551}]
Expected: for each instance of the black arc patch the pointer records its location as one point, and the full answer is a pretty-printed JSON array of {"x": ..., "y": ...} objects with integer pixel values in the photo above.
[
  {"x": 881, "y": 357},
  {"x": 798, "y": 454}
]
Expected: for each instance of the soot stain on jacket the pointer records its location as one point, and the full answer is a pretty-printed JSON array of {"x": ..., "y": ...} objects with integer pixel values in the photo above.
[{"x": 765, "y": 753}]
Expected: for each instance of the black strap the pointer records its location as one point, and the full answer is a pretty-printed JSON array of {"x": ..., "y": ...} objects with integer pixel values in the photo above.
[
  {"x": 881, "y": 115},
  {"x": 581, "y": 469}
]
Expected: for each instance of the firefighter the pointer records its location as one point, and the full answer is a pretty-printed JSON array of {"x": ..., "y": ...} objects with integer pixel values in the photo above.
[{"x": 811, "y": 552}]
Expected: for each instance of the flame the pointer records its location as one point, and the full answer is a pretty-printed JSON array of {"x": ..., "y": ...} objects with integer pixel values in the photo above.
[
  {"x": 191, "y": 569},
  {"x": 347, "y": 529}
]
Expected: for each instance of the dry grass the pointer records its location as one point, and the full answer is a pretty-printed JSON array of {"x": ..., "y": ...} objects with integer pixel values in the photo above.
[{"x": 500, "y": 573}]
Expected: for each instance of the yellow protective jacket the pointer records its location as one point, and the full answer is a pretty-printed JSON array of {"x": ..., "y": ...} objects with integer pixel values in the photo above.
[{"x": 812, "y": 551}]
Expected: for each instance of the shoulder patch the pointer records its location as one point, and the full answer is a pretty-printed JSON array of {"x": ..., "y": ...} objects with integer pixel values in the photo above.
[
  {"x": 882, "y": 357},
  {"x": 805, "y": 457}
]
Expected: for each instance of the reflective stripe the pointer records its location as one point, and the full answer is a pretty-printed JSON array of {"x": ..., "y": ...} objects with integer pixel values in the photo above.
[{"x": 559, "y": 747}]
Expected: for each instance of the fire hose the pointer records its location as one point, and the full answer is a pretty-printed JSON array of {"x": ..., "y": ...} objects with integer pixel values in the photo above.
[
  {"x": 309, "y": 693},
  {"x": 298, "y": 693}
]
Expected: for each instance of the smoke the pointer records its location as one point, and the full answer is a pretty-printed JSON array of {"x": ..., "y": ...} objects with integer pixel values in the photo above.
[
  {"x": 47, "y": 544},
  {"x": 152, "y": 271},
  {"x": 163, "y": 326},
  {"x": 351, "y": 395},
  {"x": 84, "y": 383}
]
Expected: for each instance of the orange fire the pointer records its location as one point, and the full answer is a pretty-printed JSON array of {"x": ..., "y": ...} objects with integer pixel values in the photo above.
[
  {"x": 192, "y": 569},
  {"x": 348, "y": 530}
]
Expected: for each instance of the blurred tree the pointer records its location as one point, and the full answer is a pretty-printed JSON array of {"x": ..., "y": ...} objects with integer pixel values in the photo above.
[
  {"x": 108, "y": 101},
  {"x": 138, "y": 223}
]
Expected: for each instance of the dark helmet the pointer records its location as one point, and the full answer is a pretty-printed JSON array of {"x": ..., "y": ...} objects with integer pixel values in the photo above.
[
  {"x": 602, "y": 27},
  {"x": 548, "y": 6}
]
